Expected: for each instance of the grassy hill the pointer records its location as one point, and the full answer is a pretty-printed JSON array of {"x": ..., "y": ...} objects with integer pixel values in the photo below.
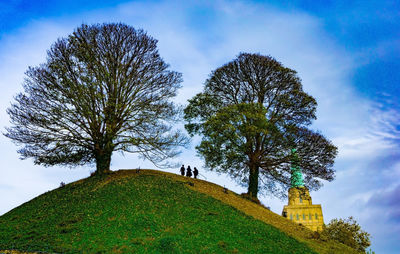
[{"x": 152, "y": 212}]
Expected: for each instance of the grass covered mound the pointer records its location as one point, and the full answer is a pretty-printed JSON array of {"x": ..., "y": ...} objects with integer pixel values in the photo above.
[{"x": 146, "y": 212}]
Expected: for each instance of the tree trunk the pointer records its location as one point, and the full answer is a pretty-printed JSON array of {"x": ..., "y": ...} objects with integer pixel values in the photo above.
[
  {"x": 103, "y": 160},
  {"x": 253, "y": 181}
]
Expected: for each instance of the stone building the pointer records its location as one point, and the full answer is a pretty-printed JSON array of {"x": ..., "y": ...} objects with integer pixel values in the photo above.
[{"x": 300, "y": 208}]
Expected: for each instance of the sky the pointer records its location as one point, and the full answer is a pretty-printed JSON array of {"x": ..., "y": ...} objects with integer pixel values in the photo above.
[{"x": 347, "y": 54}]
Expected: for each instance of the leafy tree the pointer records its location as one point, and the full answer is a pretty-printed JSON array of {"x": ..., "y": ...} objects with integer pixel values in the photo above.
[
  {"x": 349, "y": 232},
  {"x": 103, "y": 89},
  {"x": 251, "y": 114}
]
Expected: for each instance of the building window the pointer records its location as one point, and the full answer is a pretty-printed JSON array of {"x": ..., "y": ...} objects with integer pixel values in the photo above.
[
  {"x": 310, "y": 216},
  {"x": 316, "y": 216},
  {"x": 301, "y": 200},
  {"x": 304, "y": 216},
  {"x": 297, "y": 216},
  {"x": 291, "y": 216}
]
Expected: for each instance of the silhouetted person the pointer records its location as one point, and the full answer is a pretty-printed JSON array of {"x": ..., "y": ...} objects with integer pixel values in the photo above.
[
  {"x": 189, "y": 172},
  {"x": 183, "y": 170},
  {"x": 195, "y": 172}
]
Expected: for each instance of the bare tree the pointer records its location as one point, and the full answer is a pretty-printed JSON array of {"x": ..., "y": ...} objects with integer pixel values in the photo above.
[{"x": 103, "y": 89}]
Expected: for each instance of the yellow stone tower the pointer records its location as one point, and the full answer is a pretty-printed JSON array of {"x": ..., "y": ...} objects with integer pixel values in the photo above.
[{"x": 300, "y": 208}]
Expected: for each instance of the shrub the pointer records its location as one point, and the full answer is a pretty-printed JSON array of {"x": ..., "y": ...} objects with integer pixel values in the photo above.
[{"x": 348, "y": 232}]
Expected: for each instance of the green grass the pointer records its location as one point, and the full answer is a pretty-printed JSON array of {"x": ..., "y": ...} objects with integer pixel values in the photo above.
[{"x": 126, "y": 212}]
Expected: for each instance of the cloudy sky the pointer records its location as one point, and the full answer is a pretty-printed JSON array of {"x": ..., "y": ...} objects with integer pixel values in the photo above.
[{"x": 347, "y": 54}]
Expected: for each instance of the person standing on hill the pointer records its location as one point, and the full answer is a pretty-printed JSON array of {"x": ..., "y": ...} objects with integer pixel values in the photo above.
[
  {"x": 189, "y": 172},
  {"x": 195, "y": 172},
  {"x": 183, "y": 170}
]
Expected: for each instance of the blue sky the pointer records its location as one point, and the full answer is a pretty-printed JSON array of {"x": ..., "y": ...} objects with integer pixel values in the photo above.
[{"x": 346, "y": 53}]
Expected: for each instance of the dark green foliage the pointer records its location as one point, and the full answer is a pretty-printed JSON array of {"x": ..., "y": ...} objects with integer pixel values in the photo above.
[
  {"x": 102, "y": 89},
  {"x": 251, "y": 114},
  {"x": 139, "y": 213},
  {"x": 349, "y": 232}
]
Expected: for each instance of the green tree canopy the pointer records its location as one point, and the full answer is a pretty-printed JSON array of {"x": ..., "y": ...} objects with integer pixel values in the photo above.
[
  {"x": 349, "y": 232},
  {"x": 103, "y": 89},
  {"x": 251, "y": 114}
]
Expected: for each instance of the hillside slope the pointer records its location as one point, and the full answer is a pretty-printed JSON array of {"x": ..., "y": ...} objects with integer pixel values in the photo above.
[{"x": 151, "y": 212}]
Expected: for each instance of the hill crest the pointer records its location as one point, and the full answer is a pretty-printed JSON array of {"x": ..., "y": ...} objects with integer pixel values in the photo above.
[{"x": 117, "y": 207}]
